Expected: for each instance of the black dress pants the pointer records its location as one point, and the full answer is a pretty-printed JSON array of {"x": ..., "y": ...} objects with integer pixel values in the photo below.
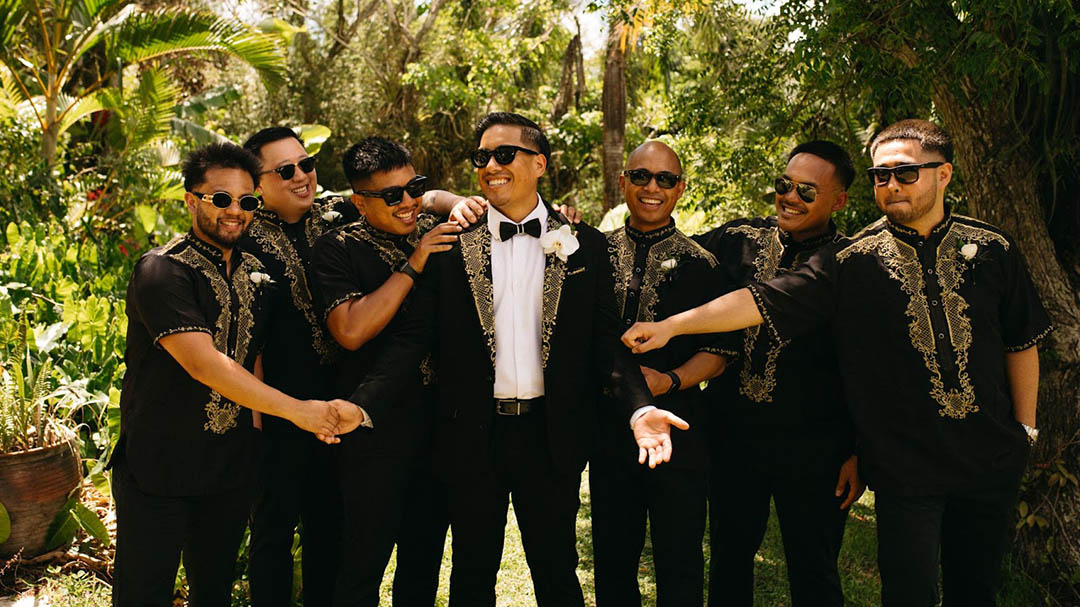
[
  {"x": 390, "y": 500},
  {"x": 151, "y": 533},
  {"x": 800, "y": 477},
  {"x": 298, "y": 483},
  {"x": 969, "y": 533},
  {"x": 545, "y": 503},
  {"x": 623, "y": 495}
]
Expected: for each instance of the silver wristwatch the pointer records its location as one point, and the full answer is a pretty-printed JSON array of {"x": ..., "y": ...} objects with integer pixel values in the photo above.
[{"x": 1032, "y": 433}]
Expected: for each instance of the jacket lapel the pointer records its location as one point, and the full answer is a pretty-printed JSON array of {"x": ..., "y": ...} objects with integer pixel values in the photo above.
[
  {"x": 554, "y": 273},
  {"x": 476, "y": 255}
]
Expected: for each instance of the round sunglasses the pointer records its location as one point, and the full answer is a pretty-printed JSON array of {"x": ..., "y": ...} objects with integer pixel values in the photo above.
[
  {"x": 905, "y": 174},
  {"x": 504, "y": 154},
  {"x": 224, "y": 200},
  {"x": 286, "y": 171},
  {"x": 642, "y": 177},
  {"x": 807, "y": 192},
  {"x": 392, "y": 196}
]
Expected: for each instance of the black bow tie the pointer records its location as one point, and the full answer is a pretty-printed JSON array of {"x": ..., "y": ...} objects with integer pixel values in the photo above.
[{"x": 509, "y": 229}]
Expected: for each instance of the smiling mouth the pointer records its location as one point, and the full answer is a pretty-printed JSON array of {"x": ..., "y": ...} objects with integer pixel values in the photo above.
[
  {"x": 498, "y": 181},
  {"x": 406, "y": 216},
  {"x": 791, "y": 210},
  {"x": 651, "y": 202},
  {"x": 301, "y": 191},
  {"x": 232, "y": 224}
]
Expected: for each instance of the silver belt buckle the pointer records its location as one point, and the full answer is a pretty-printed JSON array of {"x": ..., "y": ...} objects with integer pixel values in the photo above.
[{"x": 503, "y": 408}]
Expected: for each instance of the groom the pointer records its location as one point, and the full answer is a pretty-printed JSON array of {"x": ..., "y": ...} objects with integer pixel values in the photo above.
[{"x": 507, "y": 309}]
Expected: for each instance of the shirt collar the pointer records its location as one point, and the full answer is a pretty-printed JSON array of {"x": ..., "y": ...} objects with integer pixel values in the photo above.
[
  {"x": 811, "y": 243},
  {"x": 652, "y": 236},
  {"x": 908, "y": 234},
  {"x": 494, "y": 217},
  {"x": 206, "y": 249}
]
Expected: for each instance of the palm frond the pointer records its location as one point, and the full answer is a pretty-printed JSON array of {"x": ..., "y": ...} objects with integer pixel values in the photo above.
[
  {"x": 146, "y": 36},
  {"x": 85, "y": 12},
  {"x": 10, "y": 95},
  {"x": 150, "y": 108},
  {"x": 12, "y": 14},
  {"x": 73, "y": 109}
]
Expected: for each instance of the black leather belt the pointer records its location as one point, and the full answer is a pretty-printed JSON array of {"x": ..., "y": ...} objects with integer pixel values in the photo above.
[{"x": 517, "y": 406}]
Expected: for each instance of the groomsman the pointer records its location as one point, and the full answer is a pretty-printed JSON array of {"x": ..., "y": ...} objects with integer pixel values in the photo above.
[
  {"x": 658, "y": 272},
  {"x": 297, "y": 480},
  {"x": 935, "y": 322},
  {"x": 197, "y": 319},
  {"x": 500, "y": 307},
  {"x": 779, "y": 425},
  {"x": 366, "y": 271}
]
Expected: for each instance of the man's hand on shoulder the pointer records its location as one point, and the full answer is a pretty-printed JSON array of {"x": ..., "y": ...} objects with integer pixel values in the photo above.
[
  {"x": 468, "y": 210},
  {"x": 438, "y": 239},
  {"x": 652, "y": 431},
  {"x": 569, "y": 212}
]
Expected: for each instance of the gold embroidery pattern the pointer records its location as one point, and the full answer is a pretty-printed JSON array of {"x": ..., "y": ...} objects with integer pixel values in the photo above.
[
  {"x": 316, "y": 226},
  {"x": 272, "y": 239},
  {"x": 427, "y": 371},
  {"x": 554, "y": 274},
  {"x": 387, "y": 251},
  {"x": 476, "y": 255},
  {"x": 621, "y": 253},
  {"x": 901, "y": 261},
  {"x": 678, "y": 247},
  {"x": 759, "y": 386},
  {"x": 220, "y": 412}
]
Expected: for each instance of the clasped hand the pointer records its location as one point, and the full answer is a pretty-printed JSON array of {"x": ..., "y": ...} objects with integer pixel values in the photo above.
[{"x": 328, "y": 419}]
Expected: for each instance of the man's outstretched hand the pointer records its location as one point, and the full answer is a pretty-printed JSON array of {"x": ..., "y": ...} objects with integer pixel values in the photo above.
[
  {"x": 652, "y": 431},
  {"x": 645, "y": 336}
]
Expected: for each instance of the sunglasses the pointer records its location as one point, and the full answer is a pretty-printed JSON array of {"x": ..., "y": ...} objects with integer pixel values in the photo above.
[
  {"x": 504, "y": 154},
  {"x": 807, "y": 192},
  {"x": 905, "y": 174},
  {"x": 224, "y": 200},
  {"x": 287, "y": 171},
  {"x": 392, "y": 196},
  {"x": 642, "y": 177}
]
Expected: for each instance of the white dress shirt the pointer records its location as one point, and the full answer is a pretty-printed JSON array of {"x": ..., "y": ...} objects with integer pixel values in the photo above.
[{"x": 517, "y": 276}]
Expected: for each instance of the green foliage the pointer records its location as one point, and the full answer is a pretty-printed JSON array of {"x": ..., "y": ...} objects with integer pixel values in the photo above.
[{"x": 5, "y": 524}]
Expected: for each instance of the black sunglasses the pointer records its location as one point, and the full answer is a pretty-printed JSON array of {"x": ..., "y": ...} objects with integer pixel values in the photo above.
[
  {"x": 287, "y": 171},
  {"x": 642, "y": 177},
  {"x": 807, "y": 192},
  {"x": 392, "y": 196},
  {"x": 905, "y": 174},
  {"x": 504, "y": 154},
  {"x": 224, "y": 200}
]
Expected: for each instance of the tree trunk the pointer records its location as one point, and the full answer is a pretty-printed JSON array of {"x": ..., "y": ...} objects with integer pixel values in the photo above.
[
  {"x": 999, "y": 181},
  {"x": 567, "y": 90},
  {"x": 614, "y": 107}
]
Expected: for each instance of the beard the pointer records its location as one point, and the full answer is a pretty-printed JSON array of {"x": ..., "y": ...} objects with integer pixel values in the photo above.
[
  {"x": 210, "y": 228},
  {"x": 917, "y": 207}
]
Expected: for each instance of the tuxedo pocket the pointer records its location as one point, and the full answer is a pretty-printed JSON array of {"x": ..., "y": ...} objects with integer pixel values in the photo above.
[{"x": 575, "y": 271}]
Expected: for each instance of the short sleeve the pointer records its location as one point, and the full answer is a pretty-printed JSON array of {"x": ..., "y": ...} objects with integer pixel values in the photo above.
[
  {"x": 1024, "y": 320},
  {"x": 796, "y": 303},
  {"x": 164, "y": 298},
  {"x": 335, "y": 278}
]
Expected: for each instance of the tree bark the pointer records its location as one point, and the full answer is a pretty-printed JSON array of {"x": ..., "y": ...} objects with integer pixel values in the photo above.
[
  {"x": 614, "y": 107},
  {"x": 567, "y": 90}
]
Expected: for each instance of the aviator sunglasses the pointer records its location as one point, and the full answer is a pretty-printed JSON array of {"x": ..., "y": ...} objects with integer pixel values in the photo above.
[
  {"x": 642, "y": 177},
  {"x": 392, "y": 196},
  {"x": 905, "y": 174},
  {"x": 223, "y": 200},
  {"x": 807, "y": 192},
  {"x": 504, "y": 154},
  {"x": 287, "y": 171}
]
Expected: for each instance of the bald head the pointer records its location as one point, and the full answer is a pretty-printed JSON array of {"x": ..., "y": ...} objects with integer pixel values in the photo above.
[{"x": 653, "y": 149}]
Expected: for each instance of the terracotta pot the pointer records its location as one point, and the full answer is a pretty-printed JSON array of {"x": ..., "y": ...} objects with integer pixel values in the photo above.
[{"x": 34, "y": 486}]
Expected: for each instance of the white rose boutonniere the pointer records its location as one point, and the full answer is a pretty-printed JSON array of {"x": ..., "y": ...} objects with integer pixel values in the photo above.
[
  {"x": 561, "y": 242},
  {"x": 331, "y": 216},
  {"x": 969, "y": 251},
  {"x": 261, "y": 278},
  {"x": 668, "y": 265}
]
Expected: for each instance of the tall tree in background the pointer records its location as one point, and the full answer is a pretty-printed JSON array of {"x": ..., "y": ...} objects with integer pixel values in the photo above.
[{"x": 614, "y": 106}]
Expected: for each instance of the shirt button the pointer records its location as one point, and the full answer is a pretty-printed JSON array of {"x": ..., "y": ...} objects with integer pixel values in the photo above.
[
  {"x": 933, "y": 303},
  {"x": 637, "y": 270},
  {"x": 941, "y": 336},
  {"x": 628, "y": 322}
]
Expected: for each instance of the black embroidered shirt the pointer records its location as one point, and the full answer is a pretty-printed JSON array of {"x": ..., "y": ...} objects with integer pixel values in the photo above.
[
  {"x": 178, "y": 436},
  {"x": 921, "y": 328},
  {"x": 349, "y": 263},
  {"x": 658, "y": 274},
  {"x": 299, "y": 354},
  {"x": 783, "y": 390}
]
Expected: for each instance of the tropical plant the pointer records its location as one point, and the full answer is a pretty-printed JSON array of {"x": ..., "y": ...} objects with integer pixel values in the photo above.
[{"x": 65, "y": 58}]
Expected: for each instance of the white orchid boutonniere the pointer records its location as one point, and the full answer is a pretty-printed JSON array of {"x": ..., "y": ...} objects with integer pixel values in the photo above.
[
  {"x": 562, "y": 242},
  {"x": 668, "y": 265},
  {"x": 969, "y": 250},
  {"x": 260, "y": 278},
  {"x": 331, "y": 216}
]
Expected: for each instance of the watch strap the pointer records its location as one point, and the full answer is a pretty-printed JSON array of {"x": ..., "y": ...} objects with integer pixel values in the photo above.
[
  {"x": 676, "y": 383},
  {"x": 406, "y": 268}
]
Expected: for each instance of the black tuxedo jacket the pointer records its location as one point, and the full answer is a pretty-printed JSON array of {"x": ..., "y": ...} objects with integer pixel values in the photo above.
[{"x": 452, "y": 316}]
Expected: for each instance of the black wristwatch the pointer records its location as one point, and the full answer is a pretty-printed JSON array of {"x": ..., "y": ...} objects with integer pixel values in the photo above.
[
  {"x": 407, "y": 269},
  {"x": 676, "y": 383}
]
